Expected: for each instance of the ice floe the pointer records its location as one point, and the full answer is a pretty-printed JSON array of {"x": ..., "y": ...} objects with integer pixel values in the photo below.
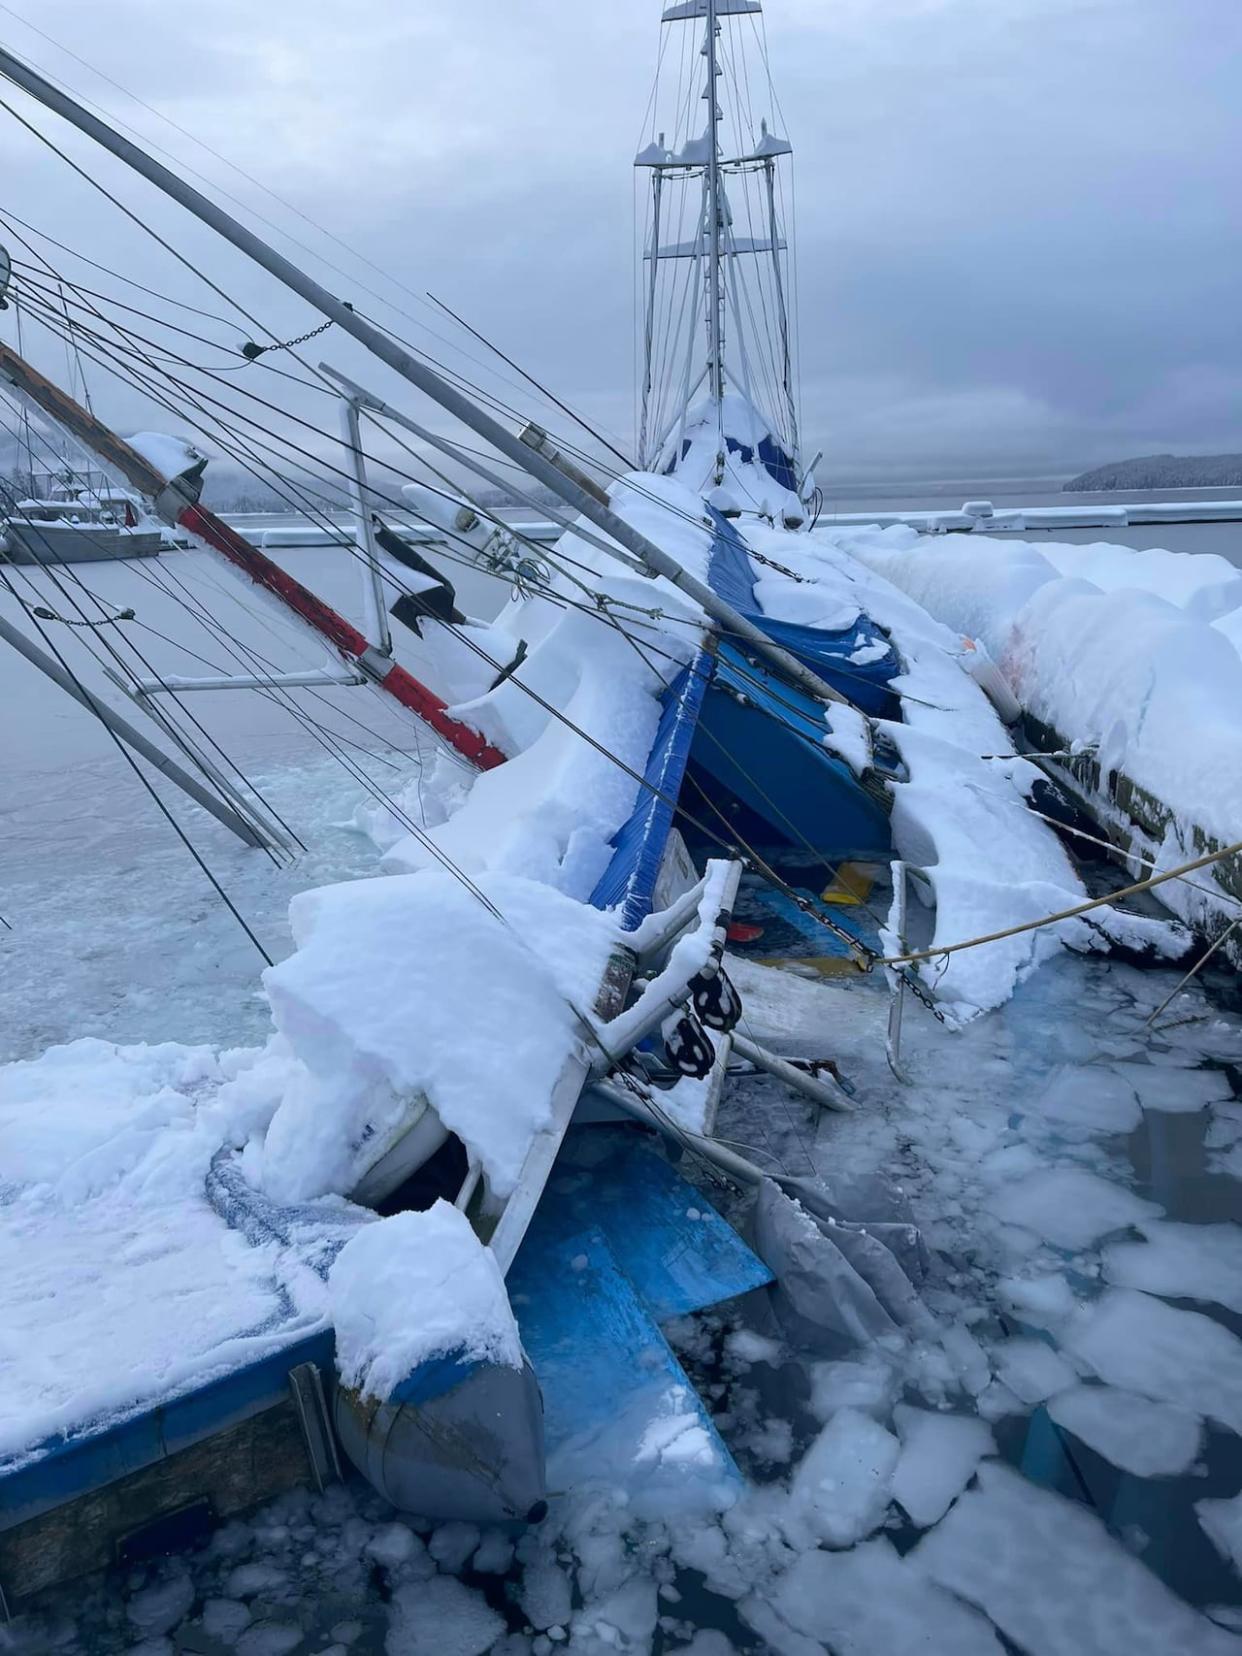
[
  {"x": 939, "y": 1454},
  {"x": 1222, "y": 1523},
  {"x": 1053, "y": 1580},
  {"x": 1172, "y": 1356},
  {"x": 1069, "y": 1206},
  {"x": 1196, "y": 1262},
  {"x": 1151, "y": 1440}
]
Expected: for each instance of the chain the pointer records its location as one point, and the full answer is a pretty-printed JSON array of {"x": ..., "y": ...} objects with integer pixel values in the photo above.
[
  {"x": 921, "y": 994},
  {"x": 67, "y": 621},
  {"x": 252, "y": 352}
]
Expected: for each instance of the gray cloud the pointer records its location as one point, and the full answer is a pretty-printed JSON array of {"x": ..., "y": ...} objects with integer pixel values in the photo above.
[{"x": 1018, "y": 223}]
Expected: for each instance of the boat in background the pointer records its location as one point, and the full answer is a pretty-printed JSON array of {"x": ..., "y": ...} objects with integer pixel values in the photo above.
[{"x": 76, "y": 517}]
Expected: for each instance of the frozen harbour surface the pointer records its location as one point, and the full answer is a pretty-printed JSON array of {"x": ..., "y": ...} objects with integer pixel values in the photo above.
[{"x": 1053, "y": 1469}]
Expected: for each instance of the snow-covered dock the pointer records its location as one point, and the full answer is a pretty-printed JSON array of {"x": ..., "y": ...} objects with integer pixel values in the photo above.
[
  {"x": 1127, "y": 666},
  {"x": 981, "y": 517}
]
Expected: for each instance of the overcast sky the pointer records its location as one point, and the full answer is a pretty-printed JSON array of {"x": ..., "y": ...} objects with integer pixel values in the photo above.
[{"x": 1019, "y": 222}]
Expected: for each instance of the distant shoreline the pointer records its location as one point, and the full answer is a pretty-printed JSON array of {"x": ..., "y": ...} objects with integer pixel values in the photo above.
[{"x": 1152, "y": 472}]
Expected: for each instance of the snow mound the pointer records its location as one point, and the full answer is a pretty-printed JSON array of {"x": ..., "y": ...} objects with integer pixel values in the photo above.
[
  {"x": 412, "y": 1287},
  {"x": 1126, "y": 651},
  {"x": 410, "y": 987}
]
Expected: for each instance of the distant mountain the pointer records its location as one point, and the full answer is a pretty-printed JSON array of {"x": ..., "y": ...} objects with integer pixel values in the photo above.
[{"x": 1165, "y": 471}]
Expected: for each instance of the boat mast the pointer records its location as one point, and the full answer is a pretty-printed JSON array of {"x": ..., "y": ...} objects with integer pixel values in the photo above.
[
  {"x": 417, "y": 373},
  {"x": 715, "y": 287},
  {"x": 718, "y": 252}
]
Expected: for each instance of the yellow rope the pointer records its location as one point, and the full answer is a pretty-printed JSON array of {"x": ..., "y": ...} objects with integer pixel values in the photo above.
[{"x": 1065, "y": 914}]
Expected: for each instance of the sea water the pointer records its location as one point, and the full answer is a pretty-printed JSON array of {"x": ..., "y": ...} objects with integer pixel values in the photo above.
[{"x": 1035, "y": 1148}]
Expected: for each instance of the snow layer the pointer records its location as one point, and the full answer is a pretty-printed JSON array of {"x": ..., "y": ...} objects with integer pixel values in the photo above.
[
  {"x": 579, "y": 714},
  {"x": 962, "y": 815},
  {"x": 1122, "y": 654},
  {"x": 408, "y": 988},
  {"x": 109, "y": 1245},
  {"x": 747, "y": 484},
  {"x": 1052, "y": 1578},
  {"x": 412, "y": 1287},
  {"x": 1151, "y": 1440}
]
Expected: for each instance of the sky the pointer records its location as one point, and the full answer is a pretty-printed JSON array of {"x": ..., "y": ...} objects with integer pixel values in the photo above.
[{"x": 1018, "y": 222}]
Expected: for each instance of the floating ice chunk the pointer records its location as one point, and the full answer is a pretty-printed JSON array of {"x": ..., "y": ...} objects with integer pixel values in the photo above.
[
  {"x": 866, "y": 1383},
  {"x": 1181, "y": 1091},
  {"x": 1032, "y": 1370},
  {"x": 495, "y": 1555},
  {"x": 224, "y": 1619},
  {"x": 709, "y": 1641},
  {"x": 1070, "y": 1207},
  {"x": 967, "y": 1358},
  {"x": 1173, "y": 1356},
  {"x": 1151, "y": 1440},
  {"x": 746, "y": 1347},
  {"x": 1052, "y": 1578},
  {"x": 868, "y": 1602},
  {"x": 269, "y": 1638},
  {"x": 1090, "y": 1096},
  {"x": 158, "y": 1609},
  {"x": 1222, "y": 1524},
  {"x": 415, "y": 1286},
  {"x": 452, "y": 1544},
  {"x": 441, "y": 1617},
  {"x": 394, "y": 1545},
  {"x": 939, "y": 1455},
  {"x": 1201, "y": 1262},
  {"x": 248, "y": 1579},
  {"x": 546, "y": 1595},
  {"x": 622, "y": 1620},
  {"x": 1043, "y": 1301},
  {"x": 841, "y": 1486},
  {"x": 677, "y": 1439}
]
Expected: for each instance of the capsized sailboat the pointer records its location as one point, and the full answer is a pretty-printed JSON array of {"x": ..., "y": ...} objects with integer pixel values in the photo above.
[{"x": 436, "y": 1238}]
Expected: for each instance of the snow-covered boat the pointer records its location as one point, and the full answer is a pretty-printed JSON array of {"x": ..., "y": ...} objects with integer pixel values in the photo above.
[{"x": 424, "y": 1230}]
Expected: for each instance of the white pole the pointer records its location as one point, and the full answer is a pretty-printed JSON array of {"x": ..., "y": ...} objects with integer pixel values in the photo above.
[
  {"x": 715, "y": 296},
  {"x": 782, "y": 314},
  {"x": 374, "y": 608},
  {"x": 649, "y": 329}
]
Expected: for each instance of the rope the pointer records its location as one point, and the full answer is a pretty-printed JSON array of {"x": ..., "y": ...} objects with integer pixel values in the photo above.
[
  {"x": 1195, "y": 969},
  {"x": 1063, "y": 914}
]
